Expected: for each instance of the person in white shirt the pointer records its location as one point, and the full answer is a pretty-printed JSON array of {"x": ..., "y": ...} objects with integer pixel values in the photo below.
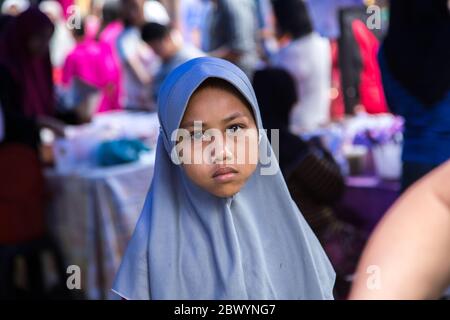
[
  {"x": 62, "y": 42},
  {"x": 307, "y": 57}
]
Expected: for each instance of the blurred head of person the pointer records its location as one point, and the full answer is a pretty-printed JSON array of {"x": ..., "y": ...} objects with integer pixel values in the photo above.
[
  {"x": 53, "y": 10},
  {"x": 292, "y": 18},
  {"x": 276, "y": 94},
  {"x": 162, "y": 39},
  {"x": 24, "y": 51},
  {"x": 132, "y": 12},
  {"x": 32, "y": 33},
  {"x": 154, "y": 11},
  {"x": 14, "y": 7},
  {"x": 110, "y": 11}
]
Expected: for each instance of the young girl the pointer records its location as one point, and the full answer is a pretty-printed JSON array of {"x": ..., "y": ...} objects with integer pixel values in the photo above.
[{"x": 219, "y": 229}]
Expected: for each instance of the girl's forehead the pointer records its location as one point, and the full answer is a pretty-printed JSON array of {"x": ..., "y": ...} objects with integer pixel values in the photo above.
[{"x": 215, "y": 104}]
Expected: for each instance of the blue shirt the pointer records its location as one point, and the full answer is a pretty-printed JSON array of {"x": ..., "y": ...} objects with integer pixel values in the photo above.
[
  {"x": 427, "y": 129},
  {"x": 232, "y": 24},
  {"x": 184, "y": 54}
]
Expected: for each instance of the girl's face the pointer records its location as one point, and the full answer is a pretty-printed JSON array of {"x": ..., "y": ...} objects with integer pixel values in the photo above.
[{"x": 227, "y": 141}]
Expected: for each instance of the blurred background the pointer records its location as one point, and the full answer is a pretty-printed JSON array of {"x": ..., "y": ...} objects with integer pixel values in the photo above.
[{"x": 358, "y": 89}]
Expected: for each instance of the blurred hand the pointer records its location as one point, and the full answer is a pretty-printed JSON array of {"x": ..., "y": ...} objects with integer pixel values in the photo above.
[{"x": 53, "y": 124}]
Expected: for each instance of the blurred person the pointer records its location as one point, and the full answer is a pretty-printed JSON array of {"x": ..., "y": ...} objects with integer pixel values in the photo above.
[
  {"x": 325, "y": 15},
  {"x": 267, "y": 41},
  {"x": 308, "y": 60},
  {"x": 312, "y": 175},
  {"x": 191, "y": 18},
  {"x": 26, "y": 89},
  {"x": 110, "y": 30},
  {"x": 67, "y": 5},
  {"x": 139, "y": 63},
  {"x": 173, "y": 8},
  {"x": 111, "y": 26},
  {"x": 218, "y": 229},
  {"x": 193, "y": 21},
  {"x": 62, "y": 41},
  {"x": 27, "y": 103},
  {"x": 325, "y": 18},
  {"x": 168, "y": 45},
  {"x": 2, "y": 124},
  {"x": 407, "y": 257},
  {"x": 154, "y": 11},
  {"x": 14, "y": 7},
  {"x": 231, "y": 32},
  {"x": 110, "y": 15},
  {"x": 358, "y": 70},
  {"x": 91, "y": 63},
  {"x": 415, "y": 68},
  {"x": 355, "y": 78},
  {"x": 371, "y": 94},
  {"x": 92, "y": 19},
  {"x": 4, "y": 20}
]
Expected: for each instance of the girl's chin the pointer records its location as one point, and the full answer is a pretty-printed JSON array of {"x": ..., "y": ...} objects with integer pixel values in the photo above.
[{"x": 224, "y": 191}]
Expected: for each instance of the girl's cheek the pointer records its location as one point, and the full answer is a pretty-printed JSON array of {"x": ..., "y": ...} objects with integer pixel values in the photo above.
[
  {"x": 199, "y": 174},
  {"x": 252, "y": 149}
]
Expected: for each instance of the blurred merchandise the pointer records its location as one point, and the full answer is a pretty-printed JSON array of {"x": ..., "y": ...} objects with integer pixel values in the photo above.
[
  {"x": 365, "y": 144},
  {"x": 78, "y": 149},
  {"x": 121, "y": 151}
]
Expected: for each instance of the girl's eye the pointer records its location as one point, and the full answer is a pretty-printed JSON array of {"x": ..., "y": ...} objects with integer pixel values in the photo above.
[
  {"x": 197, "y": 135},
  {"x": 234, "y": 128}
]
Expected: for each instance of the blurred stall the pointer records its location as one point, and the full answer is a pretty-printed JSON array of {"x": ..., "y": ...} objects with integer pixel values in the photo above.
[
  {"x": 95, "y": 203},
  {"x": 92, "y": 216},
  {"x": 368, "y": 149}
]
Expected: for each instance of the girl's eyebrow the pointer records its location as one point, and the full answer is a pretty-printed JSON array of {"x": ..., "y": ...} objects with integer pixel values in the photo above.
[
  {"x": 231, "y": 117},
  {"x": 190, "y": 124}
]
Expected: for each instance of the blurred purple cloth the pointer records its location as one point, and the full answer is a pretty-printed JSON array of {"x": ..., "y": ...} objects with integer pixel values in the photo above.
[{"x": 366, "y": 199}]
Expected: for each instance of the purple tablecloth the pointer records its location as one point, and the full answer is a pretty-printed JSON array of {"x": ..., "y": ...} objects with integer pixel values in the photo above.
[{"x": 366, "y": 199}]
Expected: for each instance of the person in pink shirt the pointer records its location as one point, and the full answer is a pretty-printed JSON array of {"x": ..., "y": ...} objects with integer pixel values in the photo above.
[{"x": 92, "y": 62}]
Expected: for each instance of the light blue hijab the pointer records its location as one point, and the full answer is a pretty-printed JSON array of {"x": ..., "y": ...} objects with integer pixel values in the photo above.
[{"x": 190, "y": 244}]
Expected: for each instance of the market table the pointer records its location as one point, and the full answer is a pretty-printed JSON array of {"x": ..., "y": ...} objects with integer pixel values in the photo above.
[{"x": 92, "y": 215}]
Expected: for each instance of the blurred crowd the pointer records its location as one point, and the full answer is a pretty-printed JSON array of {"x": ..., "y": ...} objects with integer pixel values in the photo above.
[
  {"x": 110, "y": 54},
  {"x": 311, "y": 63}
]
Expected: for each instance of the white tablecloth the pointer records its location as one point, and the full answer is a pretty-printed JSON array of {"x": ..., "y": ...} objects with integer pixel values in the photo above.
[{"x": 92, "y": 215}]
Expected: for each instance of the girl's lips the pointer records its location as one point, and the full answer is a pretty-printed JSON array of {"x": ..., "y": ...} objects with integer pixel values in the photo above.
[{"x": 224, "y": 174}]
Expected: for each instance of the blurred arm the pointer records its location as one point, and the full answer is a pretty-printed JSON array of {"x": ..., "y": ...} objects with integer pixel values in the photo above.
[{"x": 411, "y": 245}]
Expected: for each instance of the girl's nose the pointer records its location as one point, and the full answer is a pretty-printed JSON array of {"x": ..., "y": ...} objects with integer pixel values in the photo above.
[{"x": 223, "y": 154}]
